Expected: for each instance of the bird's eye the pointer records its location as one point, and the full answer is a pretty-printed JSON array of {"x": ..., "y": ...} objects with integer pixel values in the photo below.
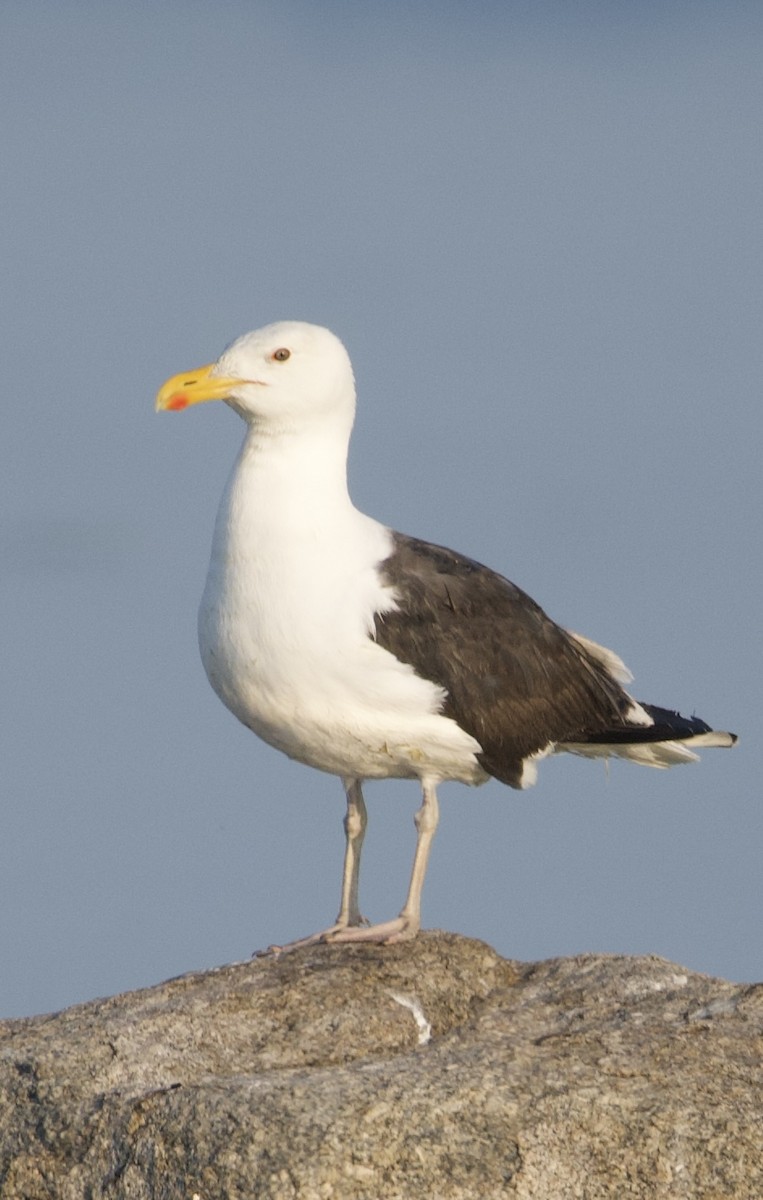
[{"x": 282, "y": 354}]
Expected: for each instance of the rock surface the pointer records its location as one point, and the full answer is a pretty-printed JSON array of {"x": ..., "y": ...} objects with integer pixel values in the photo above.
[{"x": 317, "y": 1076}]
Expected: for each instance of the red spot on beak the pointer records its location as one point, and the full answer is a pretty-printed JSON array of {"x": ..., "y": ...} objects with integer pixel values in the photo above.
[{"x": 178, "y": 402}]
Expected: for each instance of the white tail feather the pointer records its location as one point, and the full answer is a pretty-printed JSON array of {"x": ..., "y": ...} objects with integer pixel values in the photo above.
[{"x": 647, "y": 754}]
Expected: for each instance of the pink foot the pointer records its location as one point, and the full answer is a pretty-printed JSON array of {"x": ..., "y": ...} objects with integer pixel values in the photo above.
[
  {"x": 401, "y": 929},
  {"x": 325, "y": 935}
]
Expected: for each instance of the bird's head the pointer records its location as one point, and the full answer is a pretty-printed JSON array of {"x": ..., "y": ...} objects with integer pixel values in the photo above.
[{"x": 283, "y": 376}]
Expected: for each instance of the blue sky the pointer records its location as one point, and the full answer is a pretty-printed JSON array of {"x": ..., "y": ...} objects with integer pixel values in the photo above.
[{"x": 537, "y": 229}]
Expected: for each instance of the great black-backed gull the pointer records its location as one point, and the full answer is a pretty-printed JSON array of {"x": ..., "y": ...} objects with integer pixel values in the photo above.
[{"x": 370, "y": 654}]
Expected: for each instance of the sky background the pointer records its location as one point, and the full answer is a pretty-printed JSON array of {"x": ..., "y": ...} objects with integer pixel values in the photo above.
[{"x": 537, "y": 227}]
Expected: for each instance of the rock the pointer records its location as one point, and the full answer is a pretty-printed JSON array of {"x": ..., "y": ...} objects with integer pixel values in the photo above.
[{"x": 429, "y": 1069}]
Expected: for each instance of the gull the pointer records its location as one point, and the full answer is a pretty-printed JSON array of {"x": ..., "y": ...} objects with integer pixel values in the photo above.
[{"x": 370, "y": 654}]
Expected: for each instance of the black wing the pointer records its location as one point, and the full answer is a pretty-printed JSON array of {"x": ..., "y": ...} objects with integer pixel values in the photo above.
[{"x": 514, "y": 679}]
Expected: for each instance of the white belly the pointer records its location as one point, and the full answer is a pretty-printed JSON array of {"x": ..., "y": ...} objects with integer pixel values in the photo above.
[{"x": 286, "y": 646}]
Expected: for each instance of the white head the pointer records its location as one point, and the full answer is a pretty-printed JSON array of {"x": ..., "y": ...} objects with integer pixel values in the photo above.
[{"x": 283, "y": 377}]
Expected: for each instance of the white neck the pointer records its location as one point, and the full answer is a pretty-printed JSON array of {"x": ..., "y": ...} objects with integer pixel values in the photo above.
[{"x": 285, "y": 487}]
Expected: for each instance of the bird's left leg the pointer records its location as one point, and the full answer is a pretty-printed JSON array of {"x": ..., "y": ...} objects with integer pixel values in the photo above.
[{"x": 355, "y": 821}]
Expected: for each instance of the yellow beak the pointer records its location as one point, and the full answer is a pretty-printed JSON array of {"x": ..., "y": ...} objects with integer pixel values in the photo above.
[{"x": 192, "y": 387}]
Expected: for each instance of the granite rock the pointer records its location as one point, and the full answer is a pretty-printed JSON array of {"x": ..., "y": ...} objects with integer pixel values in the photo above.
[{"x": 432, "y": 1068}]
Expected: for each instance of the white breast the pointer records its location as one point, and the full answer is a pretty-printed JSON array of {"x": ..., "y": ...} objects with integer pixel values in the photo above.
[{"x": 284, "y": 632}]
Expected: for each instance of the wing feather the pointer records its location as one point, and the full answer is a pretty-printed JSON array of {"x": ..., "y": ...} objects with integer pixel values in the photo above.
[{"x": 514, "y": 679}]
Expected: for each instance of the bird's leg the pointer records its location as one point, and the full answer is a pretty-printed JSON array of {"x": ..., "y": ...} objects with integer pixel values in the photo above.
[
  {"x": 355, "y": 822},
  {"x": 349, "y": 925},
  {"x": 408, "y": 923},
  {"x": 426, "y": 821}
]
